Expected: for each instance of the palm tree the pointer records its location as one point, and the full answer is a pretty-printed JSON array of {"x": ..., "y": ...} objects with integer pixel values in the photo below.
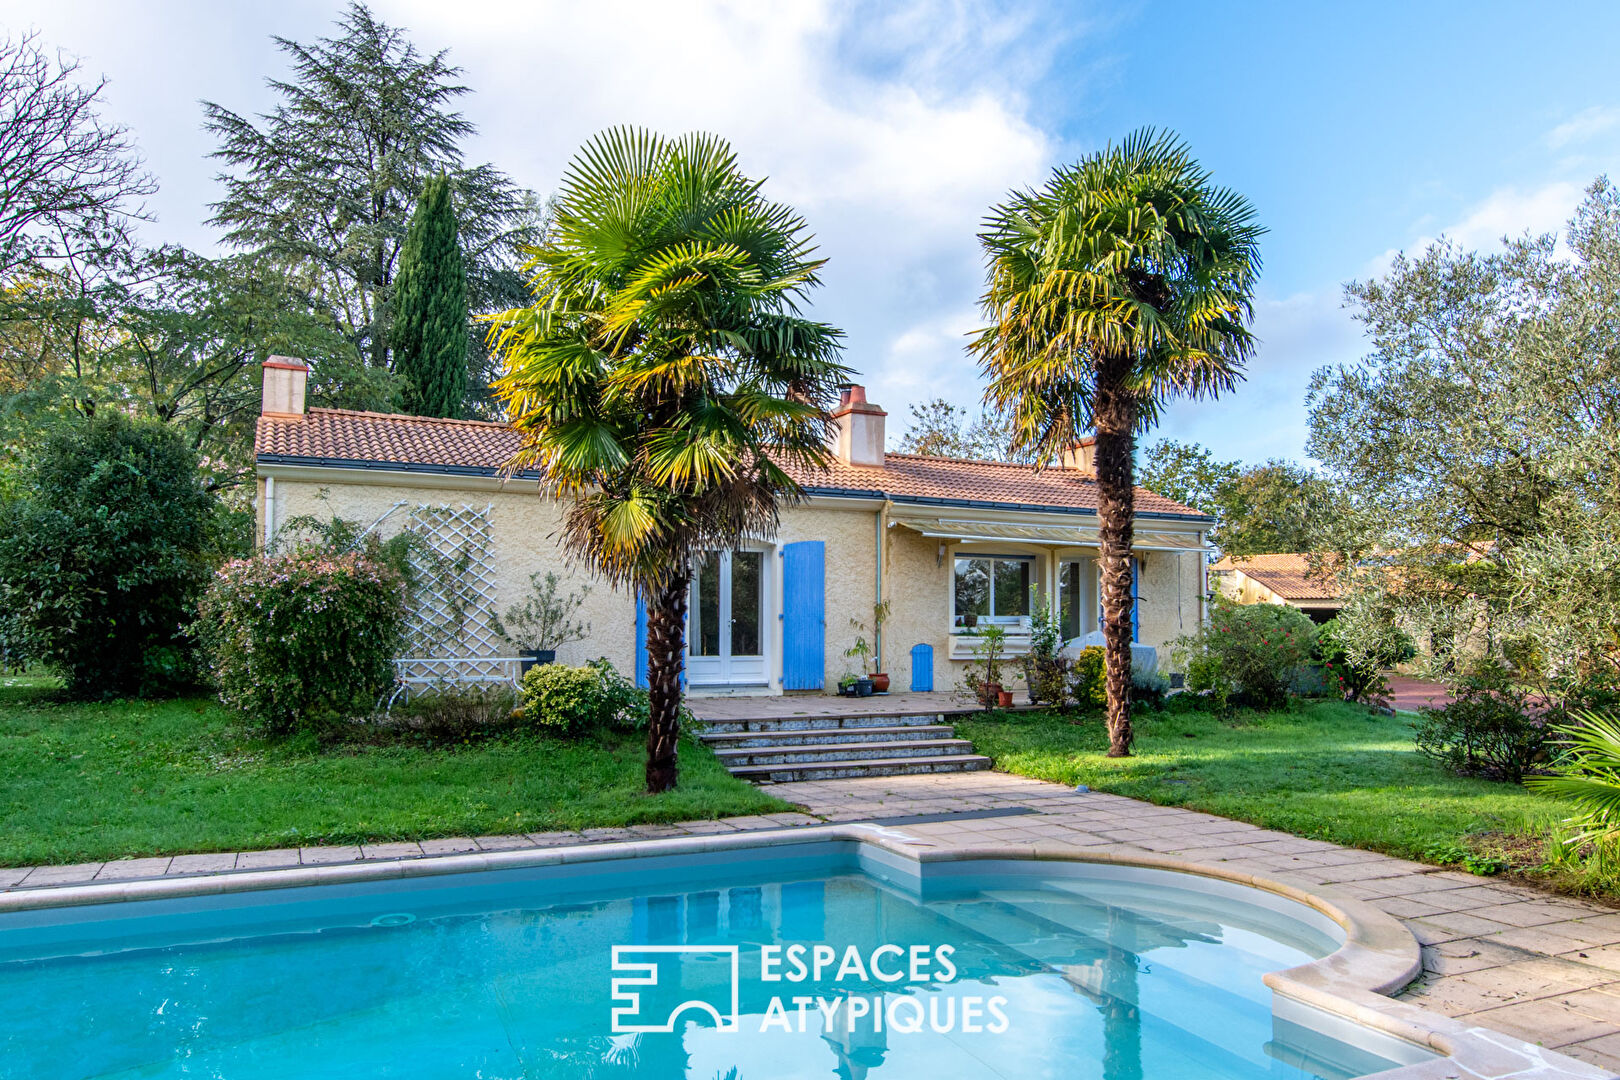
[
  {"x": 664, "y": 377},
  {"x": 1123, "y": 282}
]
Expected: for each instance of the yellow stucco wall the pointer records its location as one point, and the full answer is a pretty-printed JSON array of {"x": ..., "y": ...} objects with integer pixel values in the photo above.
[
  {"x": 523, "y": 526},
  {"x": 916, "y": 580}
]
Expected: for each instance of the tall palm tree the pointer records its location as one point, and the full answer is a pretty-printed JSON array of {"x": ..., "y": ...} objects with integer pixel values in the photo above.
[
  {"x": 664, "y": 376},
  {"x": 1123, "y": 282}
]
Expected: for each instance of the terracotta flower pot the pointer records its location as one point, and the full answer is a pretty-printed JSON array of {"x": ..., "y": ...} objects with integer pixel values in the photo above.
[
  {"x": 989, "y": 693},
  {"x": 1004, "y": 698},
  {"x": 880, "y": 682}
]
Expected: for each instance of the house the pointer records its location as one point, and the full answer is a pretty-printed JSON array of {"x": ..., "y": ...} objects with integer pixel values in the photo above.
[
  {"x": 1279, "y": 579},
  {"x": 950, "y": 545}
]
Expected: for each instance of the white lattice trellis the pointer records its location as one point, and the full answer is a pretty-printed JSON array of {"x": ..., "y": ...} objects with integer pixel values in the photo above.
[{"x": 450, "y": 634}]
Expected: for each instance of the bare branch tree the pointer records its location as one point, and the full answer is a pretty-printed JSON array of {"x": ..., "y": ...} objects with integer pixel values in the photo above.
[{"x": 63, "y": 169}]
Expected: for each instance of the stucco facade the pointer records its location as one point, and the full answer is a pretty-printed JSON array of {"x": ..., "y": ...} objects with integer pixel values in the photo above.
[{"x": 890, "y": 528}]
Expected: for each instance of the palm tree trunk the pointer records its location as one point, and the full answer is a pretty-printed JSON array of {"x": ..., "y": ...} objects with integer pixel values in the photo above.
[
  {"x": 1115, "y": 414},
  {"x": 666, "y": 644}
]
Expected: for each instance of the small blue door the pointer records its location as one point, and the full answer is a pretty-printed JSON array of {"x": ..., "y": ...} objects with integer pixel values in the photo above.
[
  {"x": 922, "y": 668},
  {"x": 804, "y": 622}
]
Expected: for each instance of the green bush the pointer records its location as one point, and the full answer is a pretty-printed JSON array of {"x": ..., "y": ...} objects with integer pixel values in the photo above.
[
  {"x": 457, "y": 711},
  {"x": 105, "y": 545},
  {"x": 1149, "y": 688},
  {"x": 624, "y": 704},
  {"x": 1045, "y": 672},
  {"x": 1088, "y": 683},
  {"x": 302, "y": 641},
  {"x": 1250, "y": 651},
  {"x": 1358, "y": 676},
  {"x": 570, "y": 700},
  {"x": 1489, "y": 730}
]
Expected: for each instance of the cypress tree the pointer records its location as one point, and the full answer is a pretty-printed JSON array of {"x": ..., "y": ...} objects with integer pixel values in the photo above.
[{"x": 430, "y": 308}]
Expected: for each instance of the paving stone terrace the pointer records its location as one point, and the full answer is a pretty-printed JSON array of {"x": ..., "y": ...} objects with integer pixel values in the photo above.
[{"x": 1542, "y": 968}]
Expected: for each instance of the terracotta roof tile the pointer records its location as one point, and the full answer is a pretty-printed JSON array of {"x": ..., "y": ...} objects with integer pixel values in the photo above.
[
  {"x": 1289, "y": 576},
  {"x": 341, "y": 437}
]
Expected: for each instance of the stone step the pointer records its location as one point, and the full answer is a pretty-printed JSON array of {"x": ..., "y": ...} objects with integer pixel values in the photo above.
[
  {"x": 838, "y": 770},
  {"x": 738, "y": 725},
  {"x": 860, "y": 751},
  {"x": 819, "y": 736}
]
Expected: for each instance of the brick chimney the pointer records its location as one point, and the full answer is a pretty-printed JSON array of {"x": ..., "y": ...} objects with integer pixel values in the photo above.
[
  {"x": 284, "y": 382},
  {"x": 1082, "y": 455},
  {"x": 859, "y": 439}
]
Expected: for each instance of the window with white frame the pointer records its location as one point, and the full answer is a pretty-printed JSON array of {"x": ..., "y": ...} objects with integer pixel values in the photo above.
[{"x": 992, "y": 589}]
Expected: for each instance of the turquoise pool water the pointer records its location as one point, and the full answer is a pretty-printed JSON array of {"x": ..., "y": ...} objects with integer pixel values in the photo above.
[{"x": 1024, "y": 971}]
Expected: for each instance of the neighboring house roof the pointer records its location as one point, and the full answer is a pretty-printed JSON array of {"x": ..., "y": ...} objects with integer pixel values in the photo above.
[
  {"x": 1289, "y": 576},
  {"x": 344, "y": 439}
]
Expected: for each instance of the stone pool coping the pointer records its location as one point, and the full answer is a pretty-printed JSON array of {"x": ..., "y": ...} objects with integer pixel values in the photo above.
[{"x": 1379, "y": 955}]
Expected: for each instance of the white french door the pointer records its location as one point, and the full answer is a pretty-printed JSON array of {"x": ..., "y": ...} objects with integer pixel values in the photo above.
[{"x": 725, "y": 629}]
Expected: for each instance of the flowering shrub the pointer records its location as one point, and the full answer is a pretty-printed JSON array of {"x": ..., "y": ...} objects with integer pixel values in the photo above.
[
  {"x": 301, "y": 641},
  {"x": 1354, "y": 648},
  {"x": 1252, "y": 650}
]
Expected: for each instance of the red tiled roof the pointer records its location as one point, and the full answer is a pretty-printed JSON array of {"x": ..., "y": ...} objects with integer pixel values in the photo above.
[
  {"x": 341, "y": 437},
  {"x": 1289, "y": 576}
]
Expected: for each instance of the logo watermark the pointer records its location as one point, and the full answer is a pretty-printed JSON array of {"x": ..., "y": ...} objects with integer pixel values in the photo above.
[
  {"x": 876, "y": 990},
  {"x": 642, "y": 977}
]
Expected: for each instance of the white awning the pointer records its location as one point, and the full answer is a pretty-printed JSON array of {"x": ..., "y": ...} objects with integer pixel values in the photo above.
[{"x": 954, "y": 528}]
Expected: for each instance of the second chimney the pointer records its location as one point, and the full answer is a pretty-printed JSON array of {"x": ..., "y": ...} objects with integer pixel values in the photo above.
[
  {"x": 1082, "y": 455},
  {"x": 284, "y": 383},
  {"x": 859, "y": 439}
]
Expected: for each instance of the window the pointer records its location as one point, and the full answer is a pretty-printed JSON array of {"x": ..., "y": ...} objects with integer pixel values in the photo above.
[
  {"x": 994, "y": 588},
  {"x": 1070, "y": 599}
]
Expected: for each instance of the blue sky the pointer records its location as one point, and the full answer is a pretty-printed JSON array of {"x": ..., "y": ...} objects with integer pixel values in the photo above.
[{"x": 1356, "y": 130}]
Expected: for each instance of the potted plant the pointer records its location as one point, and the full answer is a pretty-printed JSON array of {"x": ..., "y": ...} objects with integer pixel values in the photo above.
[
  {"x": 846, "y": 685},
  {"x": 880, "y": 613},
  {"x": 862, "y": 651},
  {"x": 992, "y": 642},
  {"x": 1045, "y": 669},
  {"x": 543, "y": 623}
]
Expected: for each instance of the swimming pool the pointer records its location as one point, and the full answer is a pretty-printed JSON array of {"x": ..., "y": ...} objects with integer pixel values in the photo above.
[{"x": 972, "y": 969}]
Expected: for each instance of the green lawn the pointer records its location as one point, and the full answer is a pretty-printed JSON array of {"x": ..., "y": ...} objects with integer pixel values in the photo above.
[
  {"x": 1326, "y": 770},
  {"x": 86, "y": 782}
]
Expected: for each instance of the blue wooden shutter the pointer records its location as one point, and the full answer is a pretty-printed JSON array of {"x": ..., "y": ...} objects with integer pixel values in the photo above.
[
  {"x": 804, "y": 610},
  {"x": 641, "y": 641},
  {"x": 922, "y": 668},
  {"x": 1136, "y": 600}
]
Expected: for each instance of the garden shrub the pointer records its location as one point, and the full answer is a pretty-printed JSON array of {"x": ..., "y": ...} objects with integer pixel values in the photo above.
[
  {"x": 1489, "y": 730},
  {"x": 624, "y": 704},
  {"x": 1206, "y": 678},
  {"x": 302, "y": 641},
  {"x": 1149, "y": 688},
  {"x": 1353, "y": 672},
  {"x": 459, "y": 710},
  {"x": 105, "y": 543},
  {"x": 1251, "y": 651},
  {"x": 1089, "y": 678},
  {"x": 1045, "y": 672},
  {"x": 570, "y": 700}
]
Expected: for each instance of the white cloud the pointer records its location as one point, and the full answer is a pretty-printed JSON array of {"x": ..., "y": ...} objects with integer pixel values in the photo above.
[
  {"x": 1265, "y": 417},
  {"x": 1508, "y": 212},
  {"x": 1584, "y": 125},
  {"x": 1512, "y": 211},
  {"x": 891, "y": 129}
]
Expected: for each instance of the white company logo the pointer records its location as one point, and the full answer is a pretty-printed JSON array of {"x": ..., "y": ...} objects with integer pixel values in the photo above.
[{"x": 627, "y": 992}]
